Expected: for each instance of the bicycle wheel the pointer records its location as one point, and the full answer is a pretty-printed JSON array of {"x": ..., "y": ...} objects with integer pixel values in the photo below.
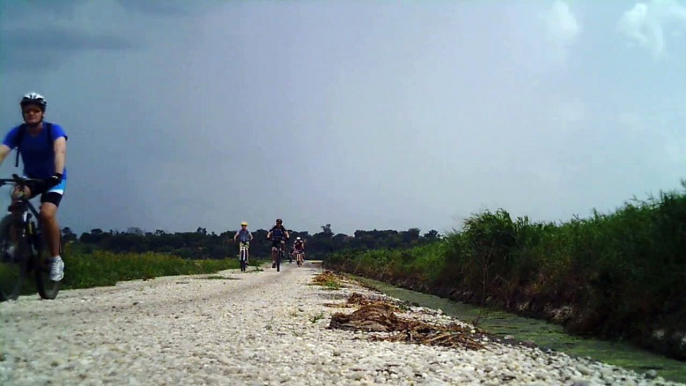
[
  {"x": 47, "y": 289},
  {"x": 13, "y": 267},
  {"x": 243, "y": 253},
  {"x": 278, "y": 261}
]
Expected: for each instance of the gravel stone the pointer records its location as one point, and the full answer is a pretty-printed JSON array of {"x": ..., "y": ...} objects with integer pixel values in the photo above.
[{"x": 259, "y": 328}]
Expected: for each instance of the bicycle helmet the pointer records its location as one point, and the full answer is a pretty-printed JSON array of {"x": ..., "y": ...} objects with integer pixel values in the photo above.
[
  {"x": 279, "y": 221},
  {"x": 298, "y": 238},
  {"x": 244, "y": 224},
  {"x": 34, "y": 98}
]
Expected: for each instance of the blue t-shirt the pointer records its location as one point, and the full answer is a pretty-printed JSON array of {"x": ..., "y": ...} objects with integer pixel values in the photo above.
[
  {"x": 37, "y": 155},
  {"x": 244, "y": 235},
  {"x": 278, "y": 233}
]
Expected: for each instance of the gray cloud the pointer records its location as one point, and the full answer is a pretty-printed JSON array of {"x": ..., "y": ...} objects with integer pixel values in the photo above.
[
  {"x": 13, "y": 10},
  {"x": 351, "y": 113},
  {"x": 68, "y": 28},
  {"x": 647, "y": 23},
  {"x": 56, "y": 39},
  {"x": 36, "y": 49},
  {"x": 167, "y": 7}
]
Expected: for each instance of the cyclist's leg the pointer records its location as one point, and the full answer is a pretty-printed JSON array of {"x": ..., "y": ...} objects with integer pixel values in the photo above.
[{"x": 50, "y": 201}]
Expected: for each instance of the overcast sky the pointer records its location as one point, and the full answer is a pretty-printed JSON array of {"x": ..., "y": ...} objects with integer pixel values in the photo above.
[{"x": 360, "y": 114}]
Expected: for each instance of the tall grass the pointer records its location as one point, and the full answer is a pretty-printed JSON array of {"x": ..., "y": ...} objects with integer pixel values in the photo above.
[
  {"x": 103, "y": 268},
  {"x": 85, "y": 269},
  {"x": 623, "y": 273}
]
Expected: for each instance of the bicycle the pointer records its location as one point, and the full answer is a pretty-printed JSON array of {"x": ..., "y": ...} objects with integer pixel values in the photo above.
[
  {"x": 299, "y": 257},
  {"x": 27, "y": 256},
  {"x": 277, "y": 258},
  {"x": 244, "y": 255}
]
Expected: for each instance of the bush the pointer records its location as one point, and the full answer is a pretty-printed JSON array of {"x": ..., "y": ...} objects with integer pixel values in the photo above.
[
  {"x": 624, "y": 272},
  {"x": 85, "y": 268},
  {"x": 103, "y": 268}
]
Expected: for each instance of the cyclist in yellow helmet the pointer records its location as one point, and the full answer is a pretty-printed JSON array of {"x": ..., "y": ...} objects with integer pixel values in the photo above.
[{"x": 244, "y": 237}]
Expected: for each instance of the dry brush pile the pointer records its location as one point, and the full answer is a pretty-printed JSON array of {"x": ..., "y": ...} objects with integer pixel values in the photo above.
[{"x": 380, "y": 316}]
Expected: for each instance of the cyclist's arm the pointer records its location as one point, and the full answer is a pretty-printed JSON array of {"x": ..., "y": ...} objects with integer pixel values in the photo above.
[
  {"x": 4, "y": 151},
  {"x": 60, "y": 147},
  {"x": 288, "y": 236},
  {"x": 269, "y": 234},
  {"x": 235, "y": 236},
  {"x": 250, "y": 236}
]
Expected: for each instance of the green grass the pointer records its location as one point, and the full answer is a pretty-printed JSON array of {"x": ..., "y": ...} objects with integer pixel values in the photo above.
[
  {"x": 624, "y": 272},
  {"x": 315, "y": 318},
  {"x": 332, "y": 285},
  {"x": 85, "y": 269},
  {"x": 103, "y": 268}
]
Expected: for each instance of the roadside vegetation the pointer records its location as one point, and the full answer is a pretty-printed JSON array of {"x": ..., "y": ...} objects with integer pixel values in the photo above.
[
  {"x": 104, "y": 268},
  {"x": 619, "y": 276},
  {"x": 328, "y": 280},
  {"x": 202, "y": 244},
  {"x": 85, "y": 268}
]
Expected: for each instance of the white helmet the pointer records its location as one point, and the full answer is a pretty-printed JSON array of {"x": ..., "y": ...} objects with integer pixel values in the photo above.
[
  {"x": 297, "y": 238},
  {"x": 34, "y": 98}
]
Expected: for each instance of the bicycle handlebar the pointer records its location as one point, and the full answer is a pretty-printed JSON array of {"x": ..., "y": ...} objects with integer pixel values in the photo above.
[{"x": 19, "y": 180}]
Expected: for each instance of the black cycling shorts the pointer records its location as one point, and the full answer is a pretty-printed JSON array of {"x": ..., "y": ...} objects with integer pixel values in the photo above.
[
  {"x": 52, "y": 195},
  {"x": 277, "y": 243}
]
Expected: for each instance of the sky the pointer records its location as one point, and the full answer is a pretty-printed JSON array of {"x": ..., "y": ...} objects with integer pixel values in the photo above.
[{"x": 363, "y": 115}]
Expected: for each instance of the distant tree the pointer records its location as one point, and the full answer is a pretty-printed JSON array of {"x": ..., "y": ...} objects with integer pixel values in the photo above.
[
  {"x": 68, "y": 236},
  {"x": 431, "y": 235},
  {"x": 201, "y": 245},
  {"x": 410, "y": 235},
  {"x": 135, "y": 231},
  {"x": 326, "y": 229}
]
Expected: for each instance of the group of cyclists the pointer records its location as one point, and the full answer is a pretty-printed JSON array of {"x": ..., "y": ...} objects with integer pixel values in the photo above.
[
  {"x": 42, "y": 146},
  {"x": 278, "y": 235}
]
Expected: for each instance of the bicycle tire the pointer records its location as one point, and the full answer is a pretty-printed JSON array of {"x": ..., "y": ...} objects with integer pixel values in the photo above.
[
  {"x": 10, "y": 285},
  {"x": 47, "y": 289},
  {"x": 278, "y": 261},
  {"x": 243, "y": 255}
]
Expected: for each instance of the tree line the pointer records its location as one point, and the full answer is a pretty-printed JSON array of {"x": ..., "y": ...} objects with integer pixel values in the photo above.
[{"x": 202, "y": 244}]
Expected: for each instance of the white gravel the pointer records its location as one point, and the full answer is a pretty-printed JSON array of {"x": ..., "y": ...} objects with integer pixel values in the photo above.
[{"x": 255, "y": 328}]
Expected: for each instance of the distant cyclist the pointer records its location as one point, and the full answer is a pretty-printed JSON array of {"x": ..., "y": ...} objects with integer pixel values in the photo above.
[
  {"x": 278, "y": 235},
  {"x": 299, "y": 248},
  {"x": 244, "y": 237},
  {"x": 43, "y": 149}
]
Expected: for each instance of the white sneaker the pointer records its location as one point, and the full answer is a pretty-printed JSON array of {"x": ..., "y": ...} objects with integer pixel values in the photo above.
[{"x": 57, "y": 269}]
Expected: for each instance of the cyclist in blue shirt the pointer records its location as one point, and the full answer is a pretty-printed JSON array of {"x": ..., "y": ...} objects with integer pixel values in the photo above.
[
  {"x": 278, "y": 234},
  {"x": 244, "y": 237},
  {"x": 43, "y": 149}
]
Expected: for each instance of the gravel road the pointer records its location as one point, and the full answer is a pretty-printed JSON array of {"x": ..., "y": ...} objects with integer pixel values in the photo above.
[{"x": 255, "y": 328}]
